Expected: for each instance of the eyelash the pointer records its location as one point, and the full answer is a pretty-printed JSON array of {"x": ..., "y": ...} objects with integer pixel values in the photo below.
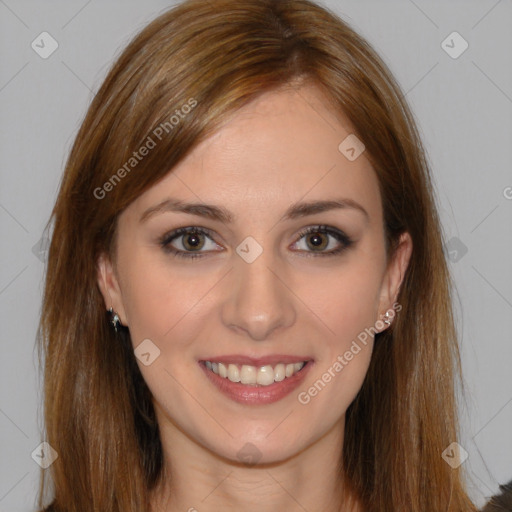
[{"x": 341, "y": 237}]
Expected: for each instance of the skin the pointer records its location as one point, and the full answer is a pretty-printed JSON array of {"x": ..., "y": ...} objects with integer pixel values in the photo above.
[{"x": 280, "y": 149}]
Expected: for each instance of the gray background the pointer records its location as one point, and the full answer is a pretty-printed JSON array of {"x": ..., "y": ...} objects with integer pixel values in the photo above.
[{"x": 464, "y": 110}]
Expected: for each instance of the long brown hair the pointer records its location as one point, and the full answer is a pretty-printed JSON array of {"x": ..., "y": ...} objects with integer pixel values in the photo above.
[{"x": 215, "y": 57}]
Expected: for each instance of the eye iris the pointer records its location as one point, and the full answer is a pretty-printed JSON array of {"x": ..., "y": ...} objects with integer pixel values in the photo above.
[
  {"x": 315, "y": 241},
  {"x": 192, "y": 241}
]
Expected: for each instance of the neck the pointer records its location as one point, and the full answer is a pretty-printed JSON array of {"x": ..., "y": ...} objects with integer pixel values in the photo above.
[{"x": 197, "y": 480}]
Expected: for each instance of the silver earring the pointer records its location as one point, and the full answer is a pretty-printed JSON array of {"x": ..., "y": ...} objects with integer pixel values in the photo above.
[
  {"x": 114, "y": 319},
  {"x": 387, "y": 321}
]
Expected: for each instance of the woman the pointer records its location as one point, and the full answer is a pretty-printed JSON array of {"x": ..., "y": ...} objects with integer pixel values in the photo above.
[{"x": 249, "y": 200}]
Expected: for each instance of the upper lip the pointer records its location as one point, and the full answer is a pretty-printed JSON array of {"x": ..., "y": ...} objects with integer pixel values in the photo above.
[{"x": 271, "y": 359}]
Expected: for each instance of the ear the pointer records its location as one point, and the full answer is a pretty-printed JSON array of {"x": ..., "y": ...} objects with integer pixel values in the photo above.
[
  {"x": 109, "y": 287},
  {"x": 393, "y": 278}
]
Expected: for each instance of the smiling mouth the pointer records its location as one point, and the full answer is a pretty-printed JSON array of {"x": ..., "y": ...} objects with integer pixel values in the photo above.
[{"x": 254, "y": 375}]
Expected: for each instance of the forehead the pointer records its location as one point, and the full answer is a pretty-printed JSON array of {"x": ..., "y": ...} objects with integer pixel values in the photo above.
[{"x": 281, "y": 148}]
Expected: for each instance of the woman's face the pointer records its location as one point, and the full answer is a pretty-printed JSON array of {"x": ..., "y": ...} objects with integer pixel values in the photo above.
[{"x": 287, "y": 265}]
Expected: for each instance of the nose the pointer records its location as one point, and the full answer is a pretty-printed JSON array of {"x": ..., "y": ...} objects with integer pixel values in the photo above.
[{"x": 258, "y": 300}]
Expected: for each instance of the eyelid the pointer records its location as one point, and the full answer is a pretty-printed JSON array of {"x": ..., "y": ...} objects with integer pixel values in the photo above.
[
  {"x": 344, "y": 241},
  {"x": 167, "y": 238},
  {"x": 338, "y": 234}
]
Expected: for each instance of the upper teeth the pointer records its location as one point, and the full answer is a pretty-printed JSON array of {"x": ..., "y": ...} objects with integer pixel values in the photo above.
[{"x": 246, "y": 374}]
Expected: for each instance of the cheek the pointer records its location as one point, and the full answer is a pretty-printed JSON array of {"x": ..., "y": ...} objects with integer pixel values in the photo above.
[
  {"x": 332, "y": 387},
  {"x": 344, "y": 300},
  {"x": 165, "y": 303},
  {"x": 347, "y": 305},
  {"x": 157, "y": 300}
]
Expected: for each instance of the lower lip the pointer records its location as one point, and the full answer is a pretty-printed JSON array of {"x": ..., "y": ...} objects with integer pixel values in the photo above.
[{"x": 257, "y": 395}]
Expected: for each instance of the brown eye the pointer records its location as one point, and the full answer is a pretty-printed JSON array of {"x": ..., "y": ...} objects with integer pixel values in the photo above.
[
  {"x": 317, "y": 241},
  {"x": 193, "y": 241},
  {"x": 189, "y": 242},
  {"x": 314, "y": 241}
]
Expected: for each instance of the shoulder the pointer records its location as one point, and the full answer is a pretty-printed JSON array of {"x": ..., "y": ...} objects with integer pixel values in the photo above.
[
  {"x": 51, "y": 508},
  {"x": 501, "y": 502}
]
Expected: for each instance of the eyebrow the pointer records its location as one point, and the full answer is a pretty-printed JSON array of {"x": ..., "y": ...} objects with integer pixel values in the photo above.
[{"x": 219, "y": 213}]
